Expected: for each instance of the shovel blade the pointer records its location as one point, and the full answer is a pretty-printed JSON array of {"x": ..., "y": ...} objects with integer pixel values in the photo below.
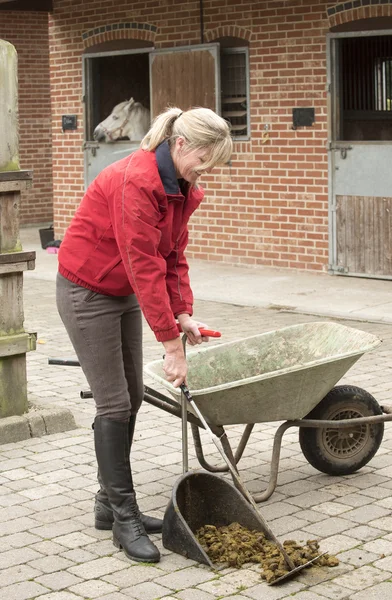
[
  {"x": 295, "y": 570},
  {"x": 200, "y": 498}
]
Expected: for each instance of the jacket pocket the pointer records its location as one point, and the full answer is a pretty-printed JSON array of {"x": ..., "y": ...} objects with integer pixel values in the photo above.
[{"x": 107, "y": 268}]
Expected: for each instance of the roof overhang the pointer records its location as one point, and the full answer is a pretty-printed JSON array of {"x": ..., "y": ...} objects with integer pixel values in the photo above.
[{"x": 27, "y": 5}]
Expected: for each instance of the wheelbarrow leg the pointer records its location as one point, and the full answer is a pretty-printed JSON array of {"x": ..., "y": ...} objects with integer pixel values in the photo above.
[
  {"x": 237, "y": 455},
  {"x": 261, "y": 497},
  {"x": 274, "y": 463}
]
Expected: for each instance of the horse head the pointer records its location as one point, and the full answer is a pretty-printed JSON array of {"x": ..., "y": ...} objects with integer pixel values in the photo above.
[{"x": 128, "y": 119}]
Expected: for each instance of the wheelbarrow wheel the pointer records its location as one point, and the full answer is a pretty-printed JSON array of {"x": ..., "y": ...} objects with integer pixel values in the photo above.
[{"x": 342, "y": 451}]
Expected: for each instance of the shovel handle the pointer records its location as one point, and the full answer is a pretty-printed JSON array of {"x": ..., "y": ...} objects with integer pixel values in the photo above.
[{"x": 204, "y": 332}]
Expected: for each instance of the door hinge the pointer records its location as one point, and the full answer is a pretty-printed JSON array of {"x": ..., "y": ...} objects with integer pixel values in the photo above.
[{"x": 338, "y": 269}]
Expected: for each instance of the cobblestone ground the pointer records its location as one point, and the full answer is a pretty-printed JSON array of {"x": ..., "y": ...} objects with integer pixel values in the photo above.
[{"x": 50, "y": 549}]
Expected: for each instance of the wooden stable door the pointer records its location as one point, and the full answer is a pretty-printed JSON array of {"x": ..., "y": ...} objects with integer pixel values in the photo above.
[{"x": 185, "y": 77}]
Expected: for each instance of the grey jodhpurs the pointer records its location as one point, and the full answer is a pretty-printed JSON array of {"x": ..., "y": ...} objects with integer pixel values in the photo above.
[{"x": 106, "y": 333}]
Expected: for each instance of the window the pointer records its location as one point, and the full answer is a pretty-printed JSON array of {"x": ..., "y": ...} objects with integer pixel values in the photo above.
[
  {"x": 383, "y": 83},
  {"x": 234, "y": 75},
  {"x": 364, "y": 86}
]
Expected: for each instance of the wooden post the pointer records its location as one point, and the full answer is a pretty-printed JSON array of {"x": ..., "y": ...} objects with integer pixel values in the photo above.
[
  {"x": 9, "y": 154},
  {"x": 14, "y": 341}
]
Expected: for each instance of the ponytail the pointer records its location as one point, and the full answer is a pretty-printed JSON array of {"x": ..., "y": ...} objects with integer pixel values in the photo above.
[{"x": 161, "y": 129}]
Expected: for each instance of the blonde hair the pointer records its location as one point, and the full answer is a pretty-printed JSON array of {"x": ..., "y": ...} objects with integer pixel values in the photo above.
[{"x": 201, "y": 128}]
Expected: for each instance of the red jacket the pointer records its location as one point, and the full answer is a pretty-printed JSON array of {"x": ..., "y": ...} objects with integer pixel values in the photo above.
[{"x": 129, "y": 235}]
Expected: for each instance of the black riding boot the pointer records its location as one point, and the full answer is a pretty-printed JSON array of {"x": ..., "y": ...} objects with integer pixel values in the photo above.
[
  {"x": 102, "y": 509},
  {"x": 112, "y": 450}
]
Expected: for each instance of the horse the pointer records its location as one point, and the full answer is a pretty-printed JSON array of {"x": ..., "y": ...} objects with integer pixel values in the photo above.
[{"x": 128, "y": 119}]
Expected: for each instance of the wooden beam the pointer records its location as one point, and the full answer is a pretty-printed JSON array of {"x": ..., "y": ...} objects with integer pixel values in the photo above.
[
  {"x": 18, "y": 343},
  {"x": 15, "y": 257},
  {"x": 13, "y": 175}
]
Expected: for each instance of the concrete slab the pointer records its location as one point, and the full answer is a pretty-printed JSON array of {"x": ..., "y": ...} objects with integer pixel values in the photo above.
[{"x": 36, "y": 423}]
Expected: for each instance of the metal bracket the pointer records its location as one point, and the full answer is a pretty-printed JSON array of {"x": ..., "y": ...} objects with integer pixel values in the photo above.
[
  {"x": 93, "y": 146},
  {"x": 343, "y": 151},
  {"x": 338, "y": 269}
]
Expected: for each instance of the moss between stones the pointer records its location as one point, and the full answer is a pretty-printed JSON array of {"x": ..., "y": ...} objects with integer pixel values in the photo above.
[{"x": 236, "y": 545}]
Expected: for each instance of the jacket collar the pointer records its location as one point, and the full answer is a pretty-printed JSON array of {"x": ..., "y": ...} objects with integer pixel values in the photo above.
[{"x": 167, "y": 171}]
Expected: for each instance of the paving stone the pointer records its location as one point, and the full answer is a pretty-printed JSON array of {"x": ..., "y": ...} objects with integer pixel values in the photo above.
[
  {"x": 63, "y": 595},
  {"x": 114, "y": 596},
  {"x": 194, "y": 594},
  {"x": 172, "y": 562},
  {"x": 365, "y": 533},
  {"x": 55, "y": 476},
  {"x": 367, "y": 514},
  {"x": 47, "y": 548},
  {"x": 384, "y": 563},
  {"x": 381, "y": 546},
  {"x": 359, "y": 557},
  {"x": 54, "y": 515},
  {"x": 363, "y": 577},
  {"x": 79, "y": 555},
  {"x": 17, "y": 557},
  {"x": 147, "y": 591},
  {"x": 332, "y": 590},
  {"x": 16, "y": 574},
  {"x": 92, "y": 589},
  {"x": 17, "y": 540},
  {"x": 242, "y": 579},
  {"x": 44, "y": 504},
  {"x": 58, "y": 580},
  {"x": 97, "y": 568},
  {"x": 308, "y": 595},
  {"x": 134, "y": 574},
  {"x": 329, "y": 527},
  {"x": 43, "y": 491},
  {"x": 24, "y": 591},
  {"x": 278, "y": 592},
  {"x": 49, "y": 564},
  {"x": 74, "y": 540},
  {"x": 54, "y": 530},
  {"x": 217, "y": 587},
  {"x": 185, "y": 578},
  {"x": 376, "y": 592}
]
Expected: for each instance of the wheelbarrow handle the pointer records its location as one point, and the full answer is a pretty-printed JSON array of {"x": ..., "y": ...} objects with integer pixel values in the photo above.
[{"x": 204, "y": 332}]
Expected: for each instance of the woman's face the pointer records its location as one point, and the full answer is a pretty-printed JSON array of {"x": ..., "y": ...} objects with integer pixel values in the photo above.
[{"x": 187, "y": 162}]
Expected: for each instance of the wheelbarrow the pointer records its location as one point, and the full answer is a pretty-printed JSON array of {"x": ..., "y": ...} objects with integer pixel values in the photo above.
[{"x": 286, "y": 375}]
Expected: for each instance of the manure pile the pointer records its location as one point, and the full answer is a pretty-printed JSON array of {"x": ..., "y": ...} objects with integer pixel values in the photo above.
[{"x": 236, "y": 545}]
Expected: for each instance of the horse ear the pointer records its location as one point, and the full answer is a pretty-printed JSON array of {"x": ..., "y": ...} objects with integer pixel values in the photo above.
[{"x": 130, "y": 104}]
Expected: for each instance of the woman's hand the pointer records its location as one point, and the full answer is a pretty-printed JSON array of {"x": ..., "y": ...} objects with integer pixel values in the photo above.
[
  {"x": 191, "y": 328},
  {"x": 174, "y": 364}
]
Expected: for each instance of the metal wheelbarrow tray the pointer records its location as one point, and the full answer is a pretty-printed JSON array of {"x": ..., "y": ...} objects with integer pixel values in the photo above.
[
  {"x": 273, "y": 376},
  {"x": 284, "y": 375}
]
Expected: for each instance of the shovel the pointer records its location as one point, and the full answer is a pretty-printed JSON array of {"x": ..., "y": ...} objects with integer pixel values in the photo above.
[{"x": 193, "y": 491}]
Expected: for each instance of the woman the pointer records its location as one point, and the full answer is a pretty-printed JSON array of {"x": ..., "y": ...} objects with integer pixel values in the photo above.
[{"x": 123, "y": 254}]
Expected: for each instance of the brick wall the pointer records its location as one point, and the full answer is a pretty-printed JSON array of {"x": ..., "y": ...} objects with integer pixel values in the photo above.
[
  {"x": 28, "y": 32},
  {"x": 271, "y": 206}
]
